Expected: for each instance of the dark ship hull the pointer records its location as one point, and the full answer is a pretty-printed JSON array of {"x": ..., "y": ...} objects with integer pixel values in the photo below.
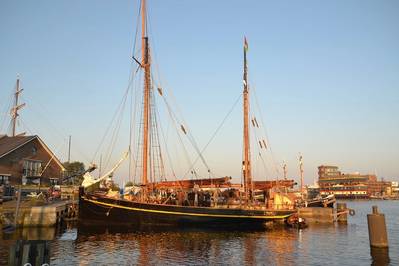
[
  {"x": 327, "y": 202},
  {"x": 104, "y": 210},
  {"x": 320, "y": 204}
]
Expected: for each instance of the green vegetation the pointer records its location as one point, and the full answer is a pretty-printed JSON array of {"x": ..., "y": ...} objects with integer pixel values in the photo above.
[
  {"x": 115, "y": 187},
  {"x": 74, "y": 170},
  {"x": 129, "y": 184}
]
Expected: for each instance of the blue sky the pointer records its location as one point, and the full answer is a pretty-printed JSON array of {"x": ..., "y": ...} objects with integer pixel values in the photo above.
[{"x": 325, "y": 75}]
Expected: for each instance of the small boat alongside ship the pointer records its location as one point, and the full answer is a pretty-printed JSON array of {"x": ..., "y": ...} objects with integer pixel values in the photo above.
[{"x": 205, "y": 202}]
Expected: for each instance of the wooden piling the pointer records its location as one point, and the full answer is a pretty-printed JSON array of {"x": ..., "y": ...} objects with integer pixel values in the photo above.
[
  {"x": 377, "y": 229},
  {"x": 342, "y": 213}
]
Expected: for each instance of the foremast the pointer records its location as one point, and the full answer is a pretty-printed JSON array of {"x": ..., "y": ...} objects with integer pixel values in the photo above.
[{"x": 246, "y": 167}]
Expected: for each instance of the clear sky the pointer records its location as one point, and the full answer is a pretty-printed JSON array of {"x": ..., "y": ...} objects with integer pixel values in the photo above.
[{"x": 326, "y": 75}]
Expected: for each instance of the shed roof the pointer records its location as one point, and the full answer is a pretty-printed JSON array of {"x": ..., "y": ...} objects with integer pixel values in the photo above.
[{"x": 9, "y": 144}]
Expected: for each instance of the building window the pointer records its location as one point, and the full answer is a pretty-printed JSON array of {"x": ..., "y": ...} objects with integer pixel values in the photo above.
[
  {"x": 32, "y": 168},
  {"x": 4, "y": 179}
]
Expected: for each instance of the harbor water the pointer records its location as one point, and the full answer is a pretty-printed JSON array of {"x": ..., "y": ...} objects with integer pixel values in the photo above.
[{"x": 340, "y": 244}]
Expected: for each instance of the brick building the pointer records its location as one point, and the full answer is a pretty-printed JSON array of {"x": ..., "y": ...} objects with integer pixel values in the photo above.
[
  {"x": 26, "y": 159},
  {"x": 354, "y": 185},
  {"x": 379, "y": 188}
]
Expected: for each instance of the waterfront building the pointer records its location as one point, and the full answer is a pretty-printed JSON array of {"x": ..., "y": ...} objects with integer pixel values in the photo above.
[
  {"x": 395, "y": 188},
  {"x": 380, "y": 188},
  {"x": 27, "y": 160},
  {"x": 353, "y": 185}
]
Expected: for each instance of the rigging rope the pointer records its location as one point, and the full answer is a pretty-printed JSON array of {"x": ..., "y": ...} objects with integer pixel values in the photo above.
[
  {"x": 173, "y": 118},
  {"x": 264, "y": 131},
  {"x": 117, "y": 111},
  {"x": 58, "y": 132},
  {"x": 215, "y": 133},
  {"x": 172, "y": 114},
  {"x": 115, "y": 134},
  {"x": 7, "y": 113},
  {"x": 167, "y": 151},
  {"x": 51, "y": 158}
]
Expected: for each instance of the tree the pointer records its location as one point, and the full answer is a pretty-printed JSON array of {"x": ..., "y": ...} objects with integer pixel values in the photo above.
[
  {"x": 115, "y": 187},
  {"x": 129, "y": 184},
  {"x": 74, "y": 170}
]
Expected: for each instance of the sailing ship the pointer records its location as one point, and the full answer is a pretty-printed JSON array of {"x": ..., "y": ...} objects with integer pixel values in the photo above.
[{"x": 181, "y": 202}]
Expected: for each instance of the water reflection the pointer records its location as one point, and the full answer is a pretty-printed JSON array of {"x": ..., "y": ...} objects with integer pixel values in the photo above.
[
  {"x": 29, "y": 252},
  {"x": 380, "y": 256},
  {"x": 27, "y": 246},
  {"x": 282, "y": 245},
  {"x": 103, "y": 245},
  {"x": 31, "y": 233},
  {"x": 157, "y": 245}
]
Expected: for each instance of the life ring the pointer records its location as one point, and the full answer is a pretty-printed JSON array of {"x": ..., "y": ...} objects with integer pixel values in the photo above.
[{"x": 352, "y": 212}]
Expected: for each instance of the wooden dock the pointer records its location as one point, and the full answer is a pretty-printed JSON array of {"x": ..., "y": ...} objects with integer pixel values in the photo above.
[
  {"x": 32, "y": 213},
  {"x": 319, "y": 215}
]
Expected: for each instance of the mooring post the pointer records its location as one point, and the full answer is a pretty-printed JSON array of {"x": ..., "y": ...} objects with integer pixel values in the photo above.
[
  {"x": 16, "y": 214},
  {"x": 377, "y": 229},
  {"x": 342, "y": 215},
  {"x": 81, "y": 191}
]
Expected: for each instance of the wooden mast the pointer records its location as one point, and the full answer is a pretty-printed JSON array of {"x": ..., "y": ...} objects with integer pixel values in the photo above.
[
  {"x": 301, "y": 172},
  {"x": 285, "y": 170},
  {"x": 247, "y": 154},
  {"x": 147, "y": 86},
  {"x": 16, "y": 107}
]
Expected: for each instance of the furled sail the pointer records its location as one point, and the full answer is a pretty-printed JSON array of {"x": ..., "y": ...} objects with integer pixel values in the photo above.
[{"x": 89, "y": 180}]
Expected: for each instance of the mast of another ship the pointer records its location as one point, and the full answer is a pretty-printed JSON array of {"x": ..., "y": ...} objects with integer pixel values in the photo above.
[
  {"x": 247, "y": 155},
  {"x": 301, "y": 172},
  {"x": 145, "y": 63},
  {"x": 285, "y": 170},
  {"x": 15, "y": 108}
]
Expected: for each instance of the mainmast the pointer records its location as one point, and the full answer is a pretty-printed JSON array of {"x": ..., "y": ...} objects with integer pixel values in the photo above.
[
  {"x": 247, "y": 154},
  {"x": 15, "y": 108},
  {"x": 145, "y": 63}
]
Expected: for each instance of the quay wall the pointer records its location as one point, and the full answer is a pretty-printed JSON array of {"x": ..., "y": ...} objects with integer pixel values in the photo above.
[{"x": 314, "y": 215}]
